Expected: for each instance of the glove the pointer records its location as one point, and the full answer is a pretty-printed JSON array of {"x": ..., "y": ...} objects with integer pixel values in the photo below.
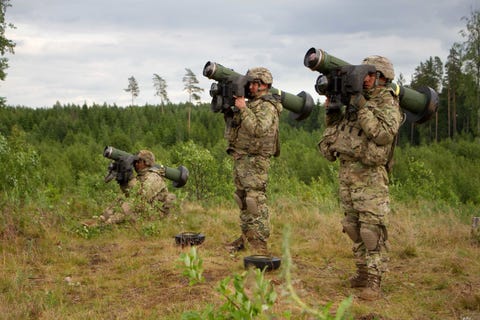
[{"x": 358, "y": 101}]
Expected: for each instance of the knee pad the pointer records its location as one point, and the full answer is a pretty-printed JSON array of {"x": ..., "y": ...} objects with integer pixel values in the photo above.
[
  {"x": 371, "y": 234},
  {"x": 252, "y": 205},
  {"x": 239, "y": 197},
  {"x": 351, "y": 229}
]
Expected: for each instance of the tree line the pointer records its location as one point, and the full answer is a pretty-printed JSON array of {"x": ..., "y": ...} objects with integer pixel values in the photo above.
[
  {"x": 61, "y": 147},
  {"x": 64, "y": 148},
  {"x": 457, "y": 80}
]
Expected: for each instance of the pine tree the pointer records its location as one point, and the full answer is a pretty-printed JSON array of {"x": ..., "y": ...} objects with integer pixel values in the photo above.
[
  {"x": 160, "y": 86},
  {"x": 133, "y": 88},
  {"x": 190, "y": 81},
  {"x": 472, "y": 57}
]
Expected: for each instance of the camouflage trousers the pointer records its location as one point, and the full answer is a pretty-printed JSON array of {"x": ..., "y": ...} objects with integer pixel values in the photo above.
[
  {"x": 250, "y": 176},
  {"x": 166, "y": 201},
  {"x": 118, "y": 212},
  {"x": 364, "y": 197}
]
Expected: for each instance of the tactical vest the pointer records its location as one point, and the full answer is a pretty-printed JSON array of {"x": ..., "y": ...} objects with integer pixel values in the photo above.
[
  {"x": 241, "y": 140},
  {"x": 143, "y": 174},
  {"x": 352, "y": 143},
  {"x": 156, "y": 183}
]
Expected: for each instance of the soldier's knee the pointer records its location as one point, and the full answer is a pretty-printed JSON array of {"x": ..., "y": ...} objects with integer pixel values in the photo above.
[
  {"x": 351, "y": 228},
  {"x": 239, "y": 197},
  {"x": 371, "y": 235},
  {"x": 252, "y": 205},
  {"x": 255, "y": 201}
]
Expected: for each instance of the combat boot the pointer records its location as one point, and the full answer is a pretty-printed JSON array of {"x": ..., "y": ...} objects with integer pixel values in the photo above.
[
  {"x": 258, "y": 246},
  {"x": 237, "y": 244},
  {"x": 372, "y": 291},
  {"x": 360, "y": 279}
]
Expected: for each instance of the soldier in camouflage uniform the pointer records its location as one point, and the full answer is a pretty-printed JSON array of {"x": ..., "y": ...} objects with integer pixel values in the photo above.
[
  {"x": 252, "y": 135},
  {"x": 362, "y": 138},
  {"x": 147, "y": 192}
]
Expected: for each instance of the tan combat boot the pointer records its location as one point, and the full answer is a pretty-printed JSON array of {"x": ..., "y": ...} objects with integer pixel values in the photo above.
[
  {"x": 359, "y": 280},
  {"x": 372, "y": 291}
]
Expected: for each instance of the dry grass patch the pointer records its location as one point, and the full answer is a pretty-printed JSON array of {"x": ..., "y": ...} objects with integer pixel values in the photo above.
[{"x": 132, "y": 271}]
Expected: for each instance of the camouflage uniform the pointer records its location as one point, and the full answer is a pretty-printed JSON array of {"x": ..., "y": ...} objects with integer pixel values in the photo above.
[
  {"x": 252, "y": 135},
  {"x": 147, "y": 193},
  {"x": 363, "y": 141},
  {"x": 153, "y": 191}
]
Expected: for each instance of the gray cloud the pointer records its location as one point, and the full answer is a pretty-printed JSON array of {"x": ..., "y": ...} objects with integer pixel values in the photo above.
[{"x": 84, "y": 51}]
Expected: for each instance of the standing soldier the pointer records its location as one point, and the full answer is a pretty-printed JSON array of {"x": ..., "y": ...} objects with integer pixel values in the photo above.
[
  {"x": 362, "y": 137},
  {"x": 253, "y": 138}
]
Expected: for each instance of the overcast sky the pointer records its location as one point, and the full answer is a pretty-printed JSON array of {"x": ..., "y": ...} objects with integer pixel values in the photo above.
[{"x": 85, "y": 51}]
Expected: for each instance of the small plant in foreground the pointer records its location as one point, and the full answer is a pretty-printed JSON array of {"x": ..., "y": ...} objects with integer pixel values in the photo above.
[
  {"x": 192, "y": 266},
  {"x": 248, "y": 302},
  {"x": 243, "y": 301}
]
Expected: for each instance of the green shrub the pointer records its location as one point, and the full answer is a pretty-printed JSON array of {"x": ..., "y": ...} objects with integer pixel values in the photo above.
[
  {"x": 207, "y": 177},
  {"x": 20, "y": 171}
]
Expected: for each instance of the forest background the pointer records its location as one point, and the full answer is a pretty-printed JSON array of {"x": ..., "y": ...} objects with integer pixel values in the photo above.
[{"x": 52, "y": 178}]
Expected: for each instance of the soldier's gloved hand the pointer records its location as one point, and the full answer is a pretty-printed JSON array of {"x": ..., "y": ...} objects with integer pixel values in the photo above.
[
  {"x": 357, "y": 101},
  {"x": 240, "y": 103}
]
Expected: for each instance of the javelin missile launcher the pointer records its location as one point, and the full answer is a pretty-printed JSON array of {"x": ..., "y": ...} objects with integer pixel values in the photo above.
[
  {"x": 231, "y": 83},
  {"x": 123, "y": 165},
  {"x": 336, "y": 76}
]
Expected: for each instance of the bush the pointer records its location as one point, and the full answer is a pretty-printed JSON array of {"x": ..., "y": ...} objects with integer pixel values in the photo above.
[
  {"x": 207, "y": 177},
  {"x": 20, "y": 170},
  {"x": 439, "y": 172}
]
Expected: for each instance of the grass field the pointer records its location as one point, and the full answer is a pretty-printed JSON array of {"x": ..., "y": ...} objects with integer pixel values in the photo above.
[{"x": 53, "y": 269}]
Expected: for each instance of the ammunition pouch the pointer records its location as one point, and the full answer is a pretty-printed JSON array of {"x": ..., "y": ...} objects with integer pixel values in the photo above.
[
  {"x": 329, "y": 137},
  {"x": 353, "y": 142}
]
